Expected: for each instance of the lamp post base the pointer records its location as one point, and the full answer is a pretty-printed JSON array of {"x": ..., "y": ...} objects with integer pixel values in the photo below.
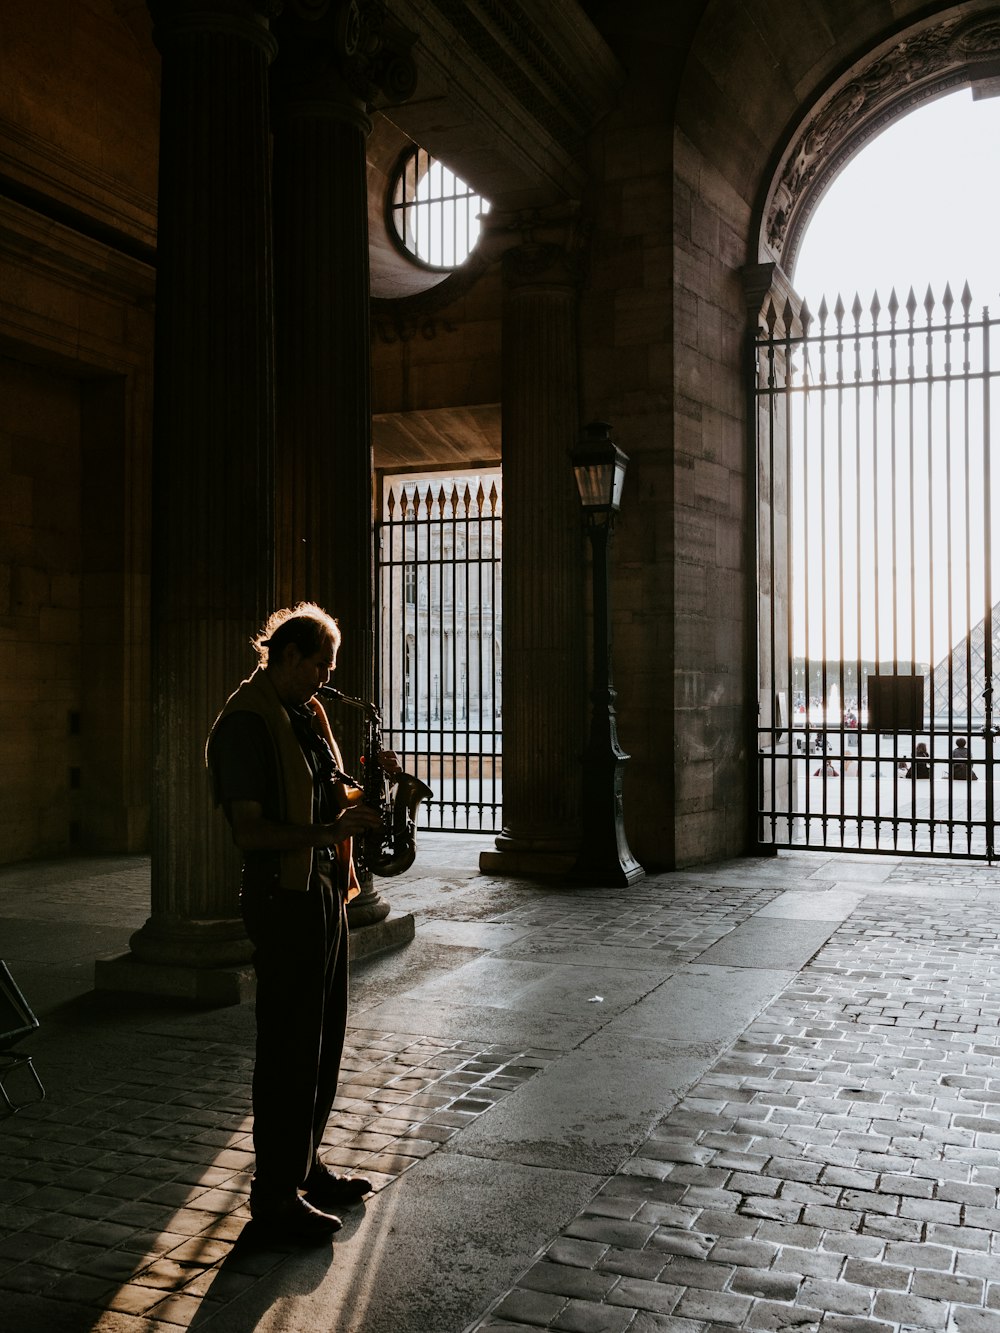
[
  {"x": 603, "y": 871},
  {"x": 605, "y": 858}
]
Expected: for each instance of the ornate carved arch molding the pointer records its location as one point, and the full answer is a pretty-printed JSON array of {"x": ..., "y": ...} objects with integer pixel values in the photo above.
[{"x": 948, "y": 52}]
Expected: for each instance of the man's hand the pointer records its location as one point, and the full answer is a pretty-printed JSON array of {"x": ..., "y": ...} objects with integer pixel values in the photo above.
[
  {"x": 252, "y": 832},
  {"x": 352, "y": 821}
]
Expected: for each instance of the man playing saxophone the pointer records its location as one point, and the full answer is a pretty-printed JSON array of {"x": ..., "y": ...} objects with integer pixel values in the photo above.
[{"x": 278, "y": 775}]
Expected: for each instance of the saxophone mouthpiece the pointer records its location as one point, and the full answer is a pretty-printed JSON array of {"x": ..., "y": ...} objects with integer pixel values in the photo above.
[{"x": 370, "y": 711}]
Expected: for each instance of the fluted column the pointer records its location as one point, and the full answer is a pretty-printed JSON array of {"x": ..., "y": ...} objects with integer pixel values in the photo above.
[
  {"x": 543, "y": 561},
  {"x": 324, "y": 452},
  {"x": 213, "y": 450},
  {"x": 334, "y": 60}
]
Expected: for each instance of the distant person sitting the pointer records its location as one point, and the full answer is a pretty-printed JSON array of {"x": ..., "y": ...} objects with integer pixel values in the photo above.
[
  {"x": 920, "y": 768},
  {"x": 961, "y": 769}
]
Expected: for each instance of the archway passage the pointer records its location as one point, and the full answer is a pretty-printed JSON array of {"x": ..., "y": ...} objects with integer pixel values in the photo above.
[
  {"x": 876, "y": 453},
  {"x": 876, "y": 444},
  {"x": 876, "y": 480}
]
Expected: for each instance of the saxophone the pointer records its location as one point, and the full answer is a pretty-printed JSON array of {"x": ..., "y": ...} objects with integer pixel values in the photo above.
[{"x": 391, "y": 849}]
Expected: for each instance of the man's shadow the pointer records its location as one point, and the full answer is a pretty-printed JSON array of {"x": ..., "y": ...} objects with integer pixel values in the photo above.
[{"x": 259, "y": 1271}]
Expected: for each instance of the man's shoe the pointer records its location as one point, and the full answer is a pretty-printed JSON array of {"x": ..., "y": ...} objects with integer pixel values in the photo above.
[
  {"x": 326, "y": 1190},
  {"x": 293, "y": 1220}
]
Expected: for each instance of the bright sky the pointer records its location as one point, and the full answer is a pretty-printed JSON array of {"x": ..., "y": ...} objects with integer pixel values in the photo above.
[{"x": 919, "y": 205}]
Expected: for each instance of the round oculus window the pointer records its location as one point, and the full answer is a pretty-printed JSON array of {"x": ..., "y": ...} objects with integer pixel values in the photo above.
[{"x": 436, "y": 217}]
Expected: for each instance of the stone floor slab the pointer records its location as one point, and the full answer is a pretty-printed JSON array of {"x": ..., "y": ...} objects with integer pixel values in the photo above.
[
  {"x": 756, "y": 943},
  {"x": 714, "y": 1144}
]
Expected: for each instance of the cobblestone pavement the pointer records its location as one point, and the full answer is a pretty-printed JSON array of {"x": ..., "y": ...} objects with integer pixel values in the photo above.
[
  {"x": 832, "y": 1167},
  {"x": 837, "y": 1169},
  {"x": 130, "y": 1194}
]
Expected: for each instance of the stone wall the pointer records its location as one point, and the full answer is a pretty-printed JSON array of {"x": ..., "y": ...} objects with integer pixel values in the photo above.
[
  {"x": 712, "y": 571},
  {"x": 628, "y": 321},
  {"x": 626, "y": 379},
  {"x": 40, "y": 657},
  {"x": 74, "y": 550},
  {"x": 434, "y": 353},
  {"x": 78, "y": 125},
  {"x": 78, "y": 155}
]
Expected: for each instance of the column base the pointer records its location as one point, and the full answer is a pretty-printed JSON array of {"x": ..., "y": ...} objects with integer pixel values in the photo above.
[
  {"x": 391, "y": 932},
  {"x": 209, "y": 986},
  {"x": 220, "y": 986},
  {"x": 367, "y": 910},
  {"x": 178, "y": 941},
  {"x": 529, "y": 857}
]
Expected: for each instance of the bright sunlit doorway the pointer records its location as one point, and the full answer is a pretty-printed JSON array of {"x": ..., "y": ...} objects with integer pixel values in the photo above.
[{"x": 878, "y": 425}]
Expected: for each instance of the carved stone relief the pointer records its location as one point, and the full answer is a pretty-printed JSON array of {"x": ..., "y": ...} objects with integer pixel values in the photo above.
[
  {"x": 919, "y": 66},
  {"x": 356, "y": 41}
]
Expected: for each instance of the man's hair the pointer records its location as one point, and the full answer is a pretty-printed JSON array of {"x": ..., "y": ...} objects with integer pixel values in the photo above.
[{"x": 306, "y": 625}]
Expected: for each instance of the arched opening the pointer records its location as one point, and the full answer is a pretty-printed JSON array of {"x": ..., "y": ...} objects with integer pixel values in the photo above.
[
  {"x": 949, "y": 51},
  {"x": 876, "y": 452}
]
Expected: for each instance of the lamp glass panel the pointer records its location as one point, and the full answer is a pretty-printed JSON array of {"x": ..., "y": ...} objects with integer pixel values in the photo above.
[
  {"x": 594, "y": 482},
  {"x": 619, "y": 482}
]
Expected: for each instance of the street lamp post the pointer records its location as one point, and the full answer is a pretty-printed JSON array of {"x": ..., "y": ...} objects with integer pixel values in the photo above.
[{"x": 604, "y": 858}]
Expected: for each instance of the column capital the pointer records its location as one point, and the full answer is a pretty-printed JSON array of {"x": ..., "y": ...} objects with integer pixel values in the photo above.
[
  {"x": 539, "y": 246},
  {"x": 339, "y": 58},
  {"x": 176, "y": 21}
]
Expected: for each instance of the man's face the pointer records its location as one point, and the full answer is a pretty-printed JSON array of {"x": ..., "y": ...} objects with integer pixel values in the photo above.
[{"x": 300, "y": 676}]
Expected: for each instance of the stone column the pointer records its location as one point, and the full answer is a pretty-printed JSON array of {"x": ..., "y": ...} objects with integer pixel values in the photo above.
[
  {"x": 212, "y": 471},
  {"x": 334, "y": 61},
  {"x": 544, "y": 716}
]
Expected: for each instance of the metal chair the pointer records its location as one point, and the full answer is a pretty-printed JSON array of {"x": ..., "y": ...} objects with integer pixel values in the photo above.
[{"x": 16, "y": 1021}]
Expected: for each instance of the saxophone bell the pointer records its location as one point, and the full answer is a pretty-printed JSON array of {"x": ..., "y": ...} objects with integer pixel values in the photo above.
[{"x": 395, "y": 794}]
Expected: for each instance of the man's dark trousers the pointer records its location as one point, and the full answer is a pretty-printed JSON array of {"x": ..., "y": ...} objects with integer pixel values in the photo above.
[{"x": 301, "y": 960}]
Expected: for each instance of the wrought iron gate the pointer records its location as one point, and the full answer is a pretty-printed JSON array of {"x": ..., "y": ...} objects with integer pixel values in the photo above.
[
  {"x": 439, "y": 549},
  {"x": 876, "y": 576}
]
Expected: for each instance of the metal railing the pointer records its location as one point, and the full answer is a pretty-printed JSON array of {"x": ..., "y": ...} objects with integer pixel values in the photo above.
[
  {"x": 876, "y": 570},
  {"x": 439, "y": 580}
]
